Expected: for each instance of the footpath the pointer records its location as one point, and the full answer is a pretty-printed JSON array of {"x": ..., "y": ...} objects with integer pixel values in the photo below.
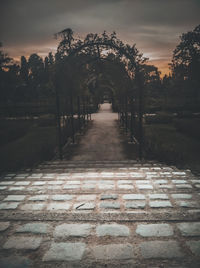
[{"x": 100, "y": 209}]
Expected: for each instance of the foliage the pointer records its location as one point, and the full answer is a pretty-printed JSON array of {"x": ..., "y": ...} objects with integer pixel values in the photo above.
[
  {"x": 165, "y": 143},
  {"x": 185, "y": 64}
]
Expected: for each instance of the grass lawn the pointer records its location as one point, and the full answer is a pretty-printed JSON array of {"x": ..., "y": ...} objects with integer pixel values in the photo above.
[
  {"x": 35, "y": 145},
  {"x": 25, "y": 143},
  {"x": 175, "y": 143}
]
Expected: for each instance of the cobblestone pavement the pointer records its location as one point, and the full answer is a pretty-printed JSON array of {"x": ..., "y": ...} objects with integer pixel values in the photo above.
[{"x": 100, "y": 214}]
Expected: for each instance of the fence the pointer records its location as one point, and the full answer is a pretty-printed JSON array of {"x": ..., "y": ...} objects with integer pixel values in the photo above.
[
  {"x": 71, "y": 115},
  {"x": 130, "y": 117}
]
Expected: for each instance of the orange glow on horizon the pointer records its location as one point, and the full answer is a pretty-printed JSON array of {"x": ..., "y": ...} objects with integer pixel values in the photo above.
[{"x": 162, "y": 65}]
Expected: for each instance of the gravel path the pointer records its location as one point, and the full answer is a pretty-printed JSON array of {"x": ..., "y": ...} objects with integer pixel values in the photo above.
[{"x": 102, "y": 141}]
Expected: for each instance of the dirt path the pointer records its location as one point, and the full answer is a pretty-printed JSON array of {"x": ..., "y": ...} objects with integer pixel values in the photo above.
[{"x": 102, "y": 141}]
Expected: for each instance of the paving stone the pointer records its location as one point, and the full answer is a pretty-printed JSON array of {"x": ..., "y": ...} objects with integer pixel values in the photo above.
[
  {"x": 165, "y": 186},
  {"x": 161, "y": 182},
  {"x": 22, "y": 183},
  {"x": 142, "y": 182},
  {"x": 84, "y": 206},
  {"x": 160, "y": 249},
  {"x": 3, "y": 187},
  {"x": 145, "y": 187},
  {"x": 22, "y": 175},
  {"x": 54, "y": 187},
  {"x": 157, "y": 230},
  {"x": 134, "y": 197},
  {"x": 62, "y": 197},
  {"x": 194, "y": 247},
  {"x": 93, "y": 175},
  {"x": 112, "y": 230},
  {"x": 36, "y": 228},
  {"x": 90, "y": 181},
  {"x": 51, "y": 176},
  {"x": 4, "y": 225},
  {"x": 55, "y": 182},
  {"x": 9, "y": 205},
  {"x": 113, "y": 252},
  {"x": 184, "y": 186},
  {"x": 39, "y": 183},
  {"x": 189, "y": 228},
  {"x": 137, "y": 175},
  {"x": 194, "y": 211},
  {"x": 20, "y": 242},
  {"x": 58, "y": 206},
  {"x": 65, "y": 252},
  {"x": 107, "y": 174},
  {"x": 106, "y": 186},
  {"x": 71, "y": 187},
  {"x": 109, "y": 205},
  {"x": 109, "y": 196},
  {"x": 35, "y": 188},
  {"x": 87, "y": 197},
  {"x": 125, "y": 186},
  {"x": 106, "y": 182},
  {"x": 16, "y": 262},
  {"x": 16, "y": 188},
  {"x": 187, "y": 204},
  {"x": 160, "y": 204},
  {"x": 15, "y": 198},
  {"x": 158, "y": 196},
  {"x": 120, "y": 174},
  {"x": 36, "y": 175},
  {"x": 195, "y": 181},
  {"x": 182, "y": 196},
  {"x": 73, "y": 182},
  {"x": 125, "y": 182},
  {"x": 34, "y": 206},
  {"x": 89, "y": 186},
  {"x": 38, "y": 198},
  {"x": 135, "y": 204},
  {"x": 179, "y": 181},
  {"x": 77, "y": 175},
  {"x": 65, "y": 230},
  {"x": 6, "y": 182}
]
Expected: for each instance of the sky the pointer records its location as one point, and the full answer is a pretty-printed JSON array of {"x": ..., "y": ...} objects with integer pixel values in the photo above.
[{"x": 155, "y": 26}]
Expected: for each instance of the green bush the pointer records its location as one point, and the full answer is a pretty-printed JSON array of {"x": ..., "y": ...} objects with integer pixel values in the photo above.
[
  {"x": 164, "y": 143},
  {"x": 11, "y": 130},
  {"x": 189, "y": 127}
]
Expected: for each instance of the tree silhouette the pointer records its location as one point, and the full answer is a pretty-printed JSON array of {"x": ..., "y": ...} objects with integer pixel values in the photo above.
[
  {"x": 4, "y": 59},
  {"x": 185, "y": 64}
]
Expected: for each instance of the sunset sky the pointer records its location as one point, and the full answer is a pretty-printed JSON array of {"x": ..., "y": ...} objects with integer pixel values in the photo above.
[{"x": 28, "y": 26}]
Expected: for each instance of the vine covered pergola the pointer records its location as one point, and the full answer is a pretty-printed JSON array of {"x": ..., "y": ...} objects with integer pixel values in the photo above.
[{"x": 75, "y": 52}]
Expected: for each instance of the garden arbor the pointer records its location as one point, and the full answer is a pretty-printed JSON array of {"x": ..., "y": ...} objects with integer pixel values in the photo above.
[{"x": 74, "y": 53}]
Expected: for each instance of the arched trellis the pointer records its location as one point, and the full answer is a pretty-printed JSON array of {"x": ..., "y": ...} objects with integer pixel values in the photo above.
[{"x": 131, "y": 54}]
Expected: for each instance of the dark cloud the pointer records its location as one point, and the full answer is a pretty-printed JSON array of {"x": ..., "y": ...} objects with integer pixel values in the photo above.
[{"x": 154, "y": 25}]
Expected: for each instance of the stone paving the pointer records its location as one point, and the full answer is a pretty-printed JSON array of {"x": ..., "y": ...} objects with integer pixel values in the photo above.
[{"x": 100, "y": 214}]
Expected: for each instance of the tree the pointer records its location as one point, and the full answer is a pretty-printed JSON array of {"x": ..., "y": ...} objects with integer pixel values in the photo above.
[
  {"x": 36, "y": 75},
  {"x": 185, "y": 64},
  {"x": 4, "y": 59},
  {"x": 24, "y": 70},
  {"x": 4, "y": 64}
]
